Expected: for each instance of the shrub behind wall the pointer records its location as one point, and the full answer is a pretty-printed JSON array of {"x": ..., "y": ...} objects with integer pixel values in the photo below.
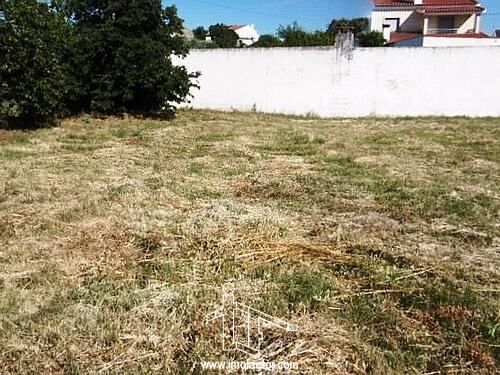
[
  {"x": 123, "y": 57},
  {"x": 102, "y": 56}
]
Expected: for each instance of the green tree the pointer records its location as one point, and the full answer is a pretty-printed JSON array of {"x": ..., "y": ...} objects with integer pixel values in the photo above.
[
  {"x": 267, "y": 40},
  {"x": 357, "y": 25},
  {"x": 295, "y": 36},
  {"x": 371, "y": 39},
  {"x": 123, "y": 57},
  {"x": 33, "y": 78},
  {"x": 322, "y": 38},
  {"x": 200, "y": 33},
  {"x": 223, "y": 36}
]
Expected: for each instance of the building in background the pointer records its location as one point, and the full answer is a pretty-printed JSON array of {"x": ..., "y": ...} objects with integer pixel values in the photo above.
[
  {"x": 188, "y": 34},
  {"x": 431, "y": 23},
  {"x": 247, "y": 34}
]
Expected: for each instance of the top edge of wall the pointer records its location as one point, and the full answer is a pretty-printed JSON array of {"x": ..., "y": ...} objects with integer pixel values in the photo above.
[{"x": 331, "y": 48}]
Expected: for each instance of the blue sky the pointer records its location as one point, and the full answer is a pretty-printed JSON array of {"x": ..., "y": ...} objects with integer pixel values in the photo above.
[{"x": 267, "y": 15}]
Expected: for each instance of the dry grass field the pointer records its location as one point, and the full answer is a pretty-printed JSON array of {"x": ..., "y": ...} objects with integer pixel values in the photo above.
[{"x": 378, "y": 238}]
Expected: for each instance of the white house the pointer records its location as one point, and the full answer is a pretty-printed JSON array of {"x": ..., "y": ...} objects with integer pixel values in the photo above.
[
  {"x": 247, "y": 33},
  {"x": 431, "y": 23}
]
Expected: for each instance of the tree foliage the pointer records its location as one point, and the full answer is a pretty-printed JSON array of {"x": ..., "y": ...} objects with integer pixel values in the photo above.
[
  {"x": 295, "y": 36},
  {"x": 267, "y": 41},
  {"x": 358, "y": 25},
  {"x": 103, "y": 56},
  {"x": 223, "y": 36},
  {"x": 33, "y": 76},
  {"x": 123, "y": 54},
  {"x": 322, "y": 38},
  {"x": 200, "y": 33},
  {"x": 371, "y": 39}
]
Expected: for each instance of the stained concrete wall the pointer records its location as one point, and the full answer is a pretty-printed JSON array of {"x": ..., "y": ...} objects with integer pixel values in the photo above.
[
  {"x": 368, "y": 82},
  {"x": 441, "y": 41}
]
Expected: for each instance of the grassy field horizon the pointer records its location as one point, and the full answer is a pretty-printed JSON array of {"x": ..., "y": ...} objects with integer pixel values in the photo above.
[{"x": 379, "y": 239}]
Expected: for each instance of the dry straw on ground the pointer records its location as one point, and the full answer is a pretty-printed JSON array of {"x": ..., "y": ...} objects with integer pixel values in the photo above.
[{"x": 378, "y": 238}]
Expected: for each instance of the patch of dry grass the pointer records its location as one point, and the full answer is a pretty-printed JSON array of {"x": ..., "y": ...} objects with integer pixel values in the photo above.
[{"x": 378, "y": 238}]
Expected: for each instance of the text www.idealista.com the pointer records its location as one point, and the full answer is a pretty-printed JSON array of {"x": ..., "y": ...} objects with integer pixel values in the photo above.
[{"x": 249, "y": 365}]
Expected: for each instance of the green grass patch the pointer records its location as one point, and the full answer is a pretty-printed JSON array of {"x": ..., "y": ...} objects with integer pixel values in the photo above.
[
  {"x": 292, "y": 142},
  {"x": 405, "y": 320},
  {"x": 344, "y": 166},
  {"x": 11, "y": 154},
  {"x": 197, "y": 168},
  {"x": 123, "y": 132},
  {"x": 297, "y": 289},
  {"x": 213, "y": 137},
  {"x": 193, "y": 192},
  {"x": 88, "y": 207},
  {"x": 77, "y": 148}
]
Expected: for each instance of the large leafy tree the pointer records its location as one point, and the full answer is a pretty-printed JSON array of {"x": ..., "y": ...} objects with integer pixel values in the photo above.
[
  {"x": 33, "y": 77},
  {"x": 123, "y": 57},
  {"x": 223, "y": 36}
]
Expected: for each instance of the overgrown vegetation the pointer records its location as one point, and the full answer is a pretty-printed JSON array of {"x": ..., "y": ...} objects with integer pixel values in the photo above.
[
  {"x": 377, "y": 238},
  {"x": 105, "y": 57},
  {"x": 34, "y": 79},
  {"x": 124, "y": 54}
]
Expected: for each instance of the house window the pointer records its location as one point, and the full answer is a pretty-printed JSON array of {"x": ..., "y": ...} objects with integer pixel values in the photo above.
[{"x": 446, "y": 24}]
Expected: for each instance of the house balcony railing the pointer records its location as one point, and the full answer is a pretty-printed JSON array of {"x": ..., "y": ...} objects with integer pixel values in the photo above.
[{"x": 442, "y": 31}]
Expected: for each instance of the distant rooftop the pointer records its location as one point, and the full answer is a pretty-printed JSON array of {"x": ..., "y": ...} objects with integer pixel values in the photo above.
[{"x": 236, "y": 27}]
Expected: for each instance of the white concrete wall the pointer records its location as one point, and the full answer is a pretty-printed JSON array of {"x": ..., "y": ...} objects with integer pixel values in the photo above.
[
  {"x": 373, "y": 82},
  {"x": 440, "y": 41}
]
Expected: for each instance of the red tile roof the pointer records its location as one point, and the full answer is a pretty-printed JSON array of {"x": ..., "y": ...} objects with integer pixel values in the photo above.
[
  {"x": 468, "y": 35},
  {"x": 433, "y": 6},
  {"x": 450, "y": 9},
  {"x": 392, "y": 3},
  {"x": 449, "y": 2},
  {"x": 400, "y": 37},
  {"x": 397, "y": 36},
  {"x": 403, "y": 3},
  {"x": 236, "y": 27}
]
